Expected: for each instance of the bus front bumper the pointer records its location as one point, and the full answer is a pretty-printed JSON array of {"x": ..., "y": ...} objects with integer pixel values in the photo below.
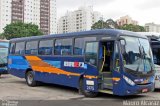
[
  {"x": 3, "y": 71},
  {"x": 138, "y": 89},
  {"x": 157, "y": 84}
]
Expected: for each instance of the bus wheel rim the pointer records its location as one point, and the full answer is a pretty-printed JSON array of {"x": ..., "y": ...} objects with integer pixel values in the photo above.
[{"x": 30, "y": 78}]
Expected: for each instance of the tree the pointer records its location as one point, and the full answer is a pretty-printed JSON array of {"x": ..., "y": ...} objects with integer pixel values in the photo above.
[
  {"x": 19, "y": 29},
  {"x": 111, "y": 23},
  {"x": 99, "y": 25},
  {"x": 104, "y": 24},
  {"x": 131, "y": 27},
  {"x": 1, "y": 37}
]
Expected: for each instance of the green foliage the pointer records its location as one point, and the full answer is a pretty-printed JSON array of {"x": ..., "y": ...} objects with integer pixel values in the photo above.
[
  {"x": 131, "y": 27},
  {"x": 104, "y": 24},
  {"x": 1, "y": 36},
  {"x": 19, "y": 29},
  {"x": 99, "y": 25},
  {"x": 112, "y": 24}
]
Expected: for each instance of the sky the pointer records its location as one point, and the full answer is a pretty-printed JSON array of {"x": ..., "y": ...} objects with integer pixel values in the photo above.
[{"x": 144, "y": 11}]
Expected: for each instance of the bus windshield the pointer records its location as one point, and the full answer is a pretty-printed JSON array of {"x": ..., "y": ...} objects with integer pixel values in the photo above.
[
  {"x": 137, "y": 55},
  {"x": 3, "y": 52}
]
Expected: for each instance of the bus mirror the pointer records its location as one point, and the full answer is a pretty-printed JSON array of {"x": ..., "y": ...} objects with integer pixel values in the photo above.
[{"x": 123, "y": 42}]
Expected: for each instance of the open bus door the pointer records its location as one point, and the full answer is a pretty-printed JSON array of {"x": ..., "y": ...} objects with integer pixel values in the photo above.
[
  {"x": 106, "y": 55},
  {"x": 103, "y": 59}
]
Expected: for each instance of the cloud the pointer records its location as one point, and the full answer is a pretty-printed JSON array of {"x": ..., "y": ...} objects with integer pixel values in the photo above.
[
  {"x": 143, "y": 11},
  {"x": 70, "y": 5},
  {"x": 148, "y": 4}
]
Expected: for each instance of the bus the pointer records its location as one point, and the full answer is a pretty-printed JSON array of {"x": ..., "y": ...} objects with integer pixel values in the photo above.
[
  {"x": 4, "y": 44},
  {"x": 110, "y": 61},
  {"x": 154, "y": 39}
]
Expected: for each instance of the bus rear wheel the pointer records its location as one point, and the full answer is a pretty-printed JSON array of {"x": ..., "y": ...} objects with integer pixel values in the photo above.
[
  {"x": 85, "y": 92},
  {"x": 30, "y": 79}
]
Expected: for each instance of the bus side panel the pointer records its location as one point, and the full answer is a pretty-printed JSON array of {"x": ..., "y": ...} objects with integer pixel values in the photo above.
[
  {"x": 71, "y": 69},
  {"x": 57, "y": 70},
  {"x": 57, "y": 79},
  {"x": 74, "y": 67},
  {"x": 17, "y": 66}
]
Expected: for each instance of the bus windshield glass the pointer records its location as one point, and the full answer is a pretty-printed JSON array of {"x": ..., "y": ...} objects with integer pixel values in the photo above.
[
  {"x": 137, "y": 55},
  {"x": 3, "y": 52}
]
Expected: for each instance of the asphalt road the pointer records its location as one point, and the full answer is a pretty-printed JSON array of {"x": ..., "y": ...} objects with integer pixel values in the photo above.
[{"x": 13, "y": 88}]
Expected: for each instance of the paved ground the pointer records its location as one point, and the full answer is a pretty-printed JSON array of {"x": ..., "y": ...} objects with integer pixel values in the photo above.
[{"x": 13, "y": 88}]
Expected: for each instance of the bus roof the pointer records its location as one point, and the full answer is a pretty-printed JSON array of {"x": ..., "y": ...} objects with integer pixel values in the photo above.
[
  {"x": 149, "y": 33},
  {"x": 4, "y": 40},
  {"x": 112, "y": 32}
]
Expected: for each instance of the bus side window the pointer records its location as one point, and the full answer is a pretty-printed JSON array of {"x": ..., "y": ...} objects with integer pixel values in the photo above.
[
  {"x": 20, "y": 48},
  {"x": 45, "y": 47},
  {"x": 31, "y": 47},
  {"x": 79, "y": 44},
  {"x": 12, "y": 48},
  {"x": 63, "y": 47},
  {"x": 91, "y": 53}
]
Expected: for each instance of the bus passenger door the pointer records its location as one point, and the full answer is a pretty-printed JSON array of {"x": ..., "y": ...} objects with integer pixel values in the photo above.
[
  {"x": 106, "y": 58},
  {"x": 91, "y": 60}
]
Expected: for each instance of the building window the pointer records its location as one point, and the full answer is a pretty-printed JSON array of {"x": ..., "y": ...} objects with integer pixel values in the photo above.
[
  {"x": 63, "y": 47},
  {"x": 45, "y": 47}
]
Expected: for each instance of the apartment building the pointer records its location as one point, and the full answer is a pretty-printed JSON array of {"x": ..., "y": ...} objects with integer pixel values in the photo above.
[
  {"x": 126, "y": 20},
  {"x": 5, "y": 13},
  {"x": 40, "y": 12},
  {"x": 78, "y": 20},
  {"x": 152, "y": 27}
]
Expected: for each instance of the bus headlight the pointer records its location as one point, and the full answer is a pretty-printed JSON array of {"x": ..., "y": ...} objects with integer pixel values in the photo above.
[{"x": 129, "y": 81}]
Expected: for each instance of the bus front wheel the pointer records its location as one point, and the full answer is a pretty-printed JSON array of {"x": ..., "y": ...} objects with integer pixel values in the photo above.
[
  {"x": 85, "y": 92},
  {"x": 30, "y": 79}
]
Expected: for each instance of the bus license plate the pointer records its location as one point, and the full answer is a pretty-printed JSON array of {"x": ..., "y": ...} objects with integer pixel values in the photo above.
[{"x": 144, "y": 90}]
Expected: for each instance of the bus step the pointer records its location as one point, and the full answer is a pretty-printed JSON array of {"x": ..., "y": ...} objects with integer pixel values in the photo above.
[
  {"x": 107, "y": 86},
  {"x": 107, "y": 75},
  {"x": 106, "y": 91},
  {"x": 107, "y": 80}
]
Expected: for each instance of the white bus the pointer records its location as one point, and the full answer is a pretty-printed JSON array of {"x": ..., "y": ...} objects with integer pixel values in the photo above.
[
  {"x": 4, "y": 44},
  {"x": 155, "y": 45}
]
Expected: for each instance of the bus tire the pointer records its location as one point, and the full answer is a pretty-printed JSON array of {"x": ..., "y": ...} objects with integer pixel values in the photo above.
[
  {"x": 30, "y": 79},
  {"x": 84, "y": 92}
]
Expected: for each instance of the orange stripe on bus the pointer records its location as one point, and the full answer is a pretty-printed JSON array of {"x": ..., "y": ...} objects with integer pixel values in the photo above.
[
  {"x": 115, "y": 79},
  {"x": 90, "y": 77},
  {"x": 39, "y": 65}
]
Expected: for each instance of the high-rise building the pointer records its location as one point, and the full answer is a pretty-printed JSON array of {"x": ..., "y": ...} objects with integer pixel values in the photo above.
[
  {"x": 5, "y": 13},
  {"x": 152, "y": 27},
  {"x": 40, "y": 12},
  {"x": 17, "y": 10},
  {"x": 126, "y": 20},
  {"x": 78, "y": 20}
]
